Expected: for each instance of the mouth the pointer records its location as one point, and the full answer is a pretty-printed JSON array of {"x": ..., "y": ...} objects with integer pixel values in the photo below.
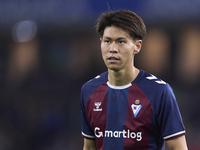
[{"x": 113, "y": 59}]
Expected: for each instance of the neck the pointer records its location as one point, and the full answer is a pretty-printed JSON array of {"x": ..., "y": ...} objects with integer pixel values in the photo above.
[{"x": 122, "y": 77}]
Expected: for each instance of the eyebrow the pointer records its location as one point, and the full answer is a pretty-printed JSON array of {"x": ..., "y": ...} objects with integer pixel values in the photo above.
[{"x": 120, "y": 38}]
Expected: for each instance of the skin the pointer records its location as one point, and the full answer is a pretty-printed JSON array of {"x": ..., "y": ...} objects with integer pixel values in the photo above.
[
  {"x": 177, "y": 143},
  {"x": 119, "y": 45},
  {"x": 89, "y": 144},
  {"x": 118, "y": 50}
]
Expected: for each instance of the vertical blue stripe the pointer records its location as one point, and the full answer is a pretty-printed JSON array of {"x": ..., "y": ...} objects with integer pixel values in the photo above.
[{"x": 116, "y": 117}]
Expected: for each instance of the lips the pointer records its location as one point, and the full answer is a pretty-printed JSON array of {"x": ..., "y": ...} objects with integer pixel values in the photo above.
[{"x": 113, "y": 59}]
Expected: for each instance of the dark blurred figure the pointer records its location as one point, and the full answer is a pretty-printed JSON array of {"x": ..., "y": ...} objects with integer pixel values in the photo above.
[
  {"x": 188, "y": 80},
  {"x": 23, "y": 62},
  {"x": 155, "y": 58}
]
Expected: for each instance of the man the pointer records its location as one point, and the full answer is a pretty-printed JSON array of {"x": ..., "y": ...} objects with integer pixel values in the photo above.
[{"x": 126, "y": 108}]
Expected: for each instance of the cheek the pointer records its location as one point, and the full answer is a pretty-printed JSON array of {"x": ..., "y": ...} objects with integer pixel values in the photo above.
[
  {"x": 129, "y": 55},
  {"x": 129, "y": 52},
  {"x": 103, "y": 54},
  {"x": 103, "y": 50}
]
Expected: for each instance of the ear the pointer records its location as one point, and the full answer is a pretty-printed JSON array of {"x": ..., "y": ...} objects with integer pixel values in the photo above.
[
  {"x": 101, "y": 39},
  {"x": 138, "y": 45}
]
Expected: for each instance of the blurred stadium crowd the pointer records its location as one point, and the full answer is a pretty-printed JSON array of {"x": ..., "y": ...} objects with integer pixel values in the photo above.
[{"x": 49, "y": 49}]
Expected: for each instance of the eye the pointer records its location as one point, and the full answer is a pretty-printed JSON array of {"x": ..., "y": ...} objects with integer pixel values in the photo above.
[
  {"x": 107, "y": 41},
  {"x": 121, "y": 42}
]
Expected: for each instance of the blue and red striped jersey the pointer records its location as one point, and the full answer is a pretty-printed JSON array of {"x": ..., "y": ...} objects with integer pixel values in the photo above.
[{"x": 140, "y": 115}]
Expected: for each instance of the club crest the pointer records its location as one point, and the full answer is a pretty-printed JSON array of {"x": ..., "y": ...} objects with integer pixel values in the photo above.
[{"x": 136, "y": 107}]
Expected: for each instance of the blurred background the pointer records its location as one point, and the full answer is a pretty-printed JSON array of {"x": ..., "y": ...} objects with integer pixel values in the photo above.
[{"x": 49, "y": 49}]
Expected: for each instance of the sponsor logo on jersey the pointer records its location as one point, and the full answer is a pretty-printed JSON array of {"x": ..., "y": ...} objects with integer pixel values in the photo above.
[
  {"x": 118, "y": 134},
  {"x": 136, "y": 107},
  {"x": 97, "y": 105}
]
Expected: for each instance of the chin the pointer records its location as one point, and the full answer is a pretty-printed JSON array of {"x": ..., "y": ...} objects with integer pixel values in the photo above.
[{"x": 114, "y": 69}]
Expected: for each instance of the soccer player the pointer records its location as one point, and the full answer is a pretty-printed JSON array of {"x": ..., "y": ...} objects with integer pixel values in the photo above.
[{"x": 127, "y": 108}]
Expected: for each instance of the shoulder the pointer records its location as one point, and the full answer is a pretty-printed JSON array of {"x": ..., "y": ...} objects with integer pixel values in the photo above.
[
  {"x": 151, "y": 81},
  {"x": 97, "y": 81},
  {"x": 152, "y": 85},
  {"x": 89, "y": 87}
]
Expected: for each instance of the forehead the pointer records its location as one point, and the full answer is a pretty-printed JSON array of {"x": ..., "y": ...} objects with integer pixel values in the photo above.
[{"x": 115, "y": 32}]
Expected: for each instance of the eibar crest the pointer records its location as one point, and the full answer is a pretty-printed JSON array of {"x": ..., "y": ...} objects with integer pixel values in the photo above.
[
  {"x": 136, "y": 107},
  {"x": 97, "y": 105}
]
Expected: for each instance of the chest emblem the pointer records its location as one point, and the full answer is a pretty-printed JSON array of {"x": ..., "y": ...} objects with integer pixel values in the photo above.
[
  {"x": 97, "y": 105},
  {"x": 136, "y": 107}
]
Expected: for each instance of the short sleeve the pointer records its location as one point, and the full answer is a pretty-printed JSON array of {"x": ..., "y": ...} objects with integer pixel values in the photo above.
[
  {"x": 169, "y": 117},
  {"x": 87, "y": 131}
]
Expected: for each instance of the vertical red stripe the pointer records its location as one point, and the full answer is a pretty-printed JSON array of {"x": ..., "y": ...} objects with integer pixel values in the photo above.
[
  {"x": 140, "y": 123},
  {"x": 98, "y": 118}
]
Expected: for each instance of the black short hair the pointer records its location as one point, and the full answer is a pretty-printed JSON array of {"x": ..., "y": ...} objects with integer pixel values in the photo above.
[{"x": 124, "y": 19}]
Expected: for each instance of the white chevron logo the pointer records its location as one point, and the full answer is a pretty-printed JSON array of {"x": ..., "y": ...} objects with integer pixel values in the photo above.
[{"x": 152, "y": 77}]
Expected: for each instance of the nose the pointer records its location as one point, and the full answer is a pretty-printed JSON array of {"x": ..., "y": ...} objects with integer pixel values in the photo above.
[{"x": 113, "y": 48}]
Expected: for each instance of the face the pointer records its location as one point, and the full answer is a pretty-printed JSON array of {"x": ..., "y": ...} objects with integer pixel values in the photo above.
[{"x": 118, "y": 48}]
